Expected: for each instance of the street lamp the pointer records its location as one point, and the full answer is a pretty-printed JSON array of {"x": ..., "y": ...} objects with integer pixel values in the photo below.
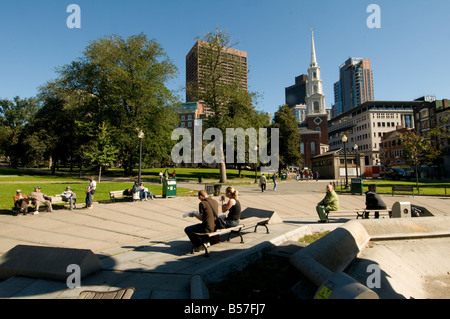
[
  {"x": 140, "y": 136},
  {"x": 256, "y": 164},
  {"x": 355, "y": 148},
  {"x": 344, "y": 140}
]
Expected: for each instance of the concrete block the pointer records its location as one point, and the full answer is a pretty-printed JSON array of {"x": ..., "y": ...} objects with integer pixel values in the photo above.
[
  {"x": 47, "y": 262},
  {"x": 256, "y": 212}
]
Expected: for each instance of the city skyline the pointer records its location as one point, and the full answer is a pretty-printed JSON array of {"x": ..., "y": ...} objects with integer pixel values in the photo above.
[{"x": 408, "y": 51}]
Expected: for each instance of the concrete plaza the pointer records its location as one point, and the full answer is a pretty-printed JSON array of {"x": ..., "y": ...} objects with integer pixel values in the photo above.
[{"x": 142, "y": 244}]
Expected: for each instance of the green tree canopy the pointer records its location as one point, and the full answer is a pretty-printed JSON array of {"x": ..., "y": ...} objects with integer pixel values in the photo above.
[
  {"x": 122, "y": 82},
  {"x": 286, "y": 122}
]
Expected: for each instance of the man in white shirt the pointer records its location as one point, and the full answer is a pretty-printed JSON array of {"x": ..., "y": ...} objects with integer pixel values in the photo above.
[{"x": 90, "y": 190}]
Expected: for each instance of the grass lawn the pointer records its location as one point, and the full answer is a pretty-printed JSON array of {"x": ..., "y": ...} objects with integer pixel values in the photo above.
[
  {"x": 8, "y": 190},
  {"x": 426, "y": 187},
  {"x": 26, "y": 180}
]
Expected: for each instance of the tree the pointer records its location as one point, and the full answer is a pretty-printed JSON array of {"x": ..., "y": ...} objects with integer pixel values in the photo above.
[
  {"x": 424, "y": 149},
  {"x": 14, "y": 116},
  {"x": 286, "y": 122},
  {"x": 121, "y": 82},
  {"x": 220, "y": 88},
  {"x": 100, "y": 151}
]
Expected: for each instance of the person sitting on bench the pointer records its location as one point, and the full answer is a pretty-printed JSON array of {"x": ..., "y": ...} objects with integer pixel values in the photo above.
[
  {"x": 374, "y": 201},
  {"x": 37, "y": 198},
  {"x": 329, "y": 203},
  {"x": 21, "y": 202},
  {"x": 233, "y": 206},
  {"x": 69, "y": 196},
  {"x": 207, "y": 209}
]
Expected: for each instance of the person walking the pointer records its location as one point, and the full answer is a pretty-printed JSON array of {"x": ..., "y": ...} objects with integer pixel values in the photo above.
[
  {"x": 262, "y": 182},
  {"x": 274, "y": 178}
]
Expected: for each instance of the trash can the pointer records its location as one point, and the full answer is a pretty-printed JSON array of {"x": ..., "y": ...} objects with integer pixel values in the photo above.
[
  {"x": 200, "y": 179},
  {"x": 169, "y": 188},
  {"x": 372, "y": 188},
  {"x": 209, "y": 189},
  {"x": 283, "y": 176},
  {"x": 217, "y": 190},
  {"x": 356, "y": 186}
]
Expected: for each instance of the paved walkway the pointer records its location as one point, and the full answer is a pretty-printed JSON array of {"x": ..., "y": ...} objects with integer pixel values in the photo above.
[{"x": 142, "y": 244}]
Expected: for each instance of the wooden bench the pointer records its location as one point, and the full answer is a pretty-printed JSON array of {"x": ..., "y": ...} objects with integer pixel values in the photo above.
[
  {"x": 363, "y": 213},
  {"x": 246, "y": 223},
  {"x": 402, "y": 188},
  {"x": 118, "y": 194},
  {"x": 53, "y": 199},
  {"x": 358, "y": 212},
  {"x": 124, "y": 293}
]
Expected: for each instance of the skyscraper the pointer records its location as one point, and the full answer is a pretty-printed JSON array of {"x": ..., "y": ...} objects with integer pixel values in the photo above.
[
  {"x": 355, "y": 85},
  {"x": 296, "y": 94},
  {"x": 231, "y": 59}
]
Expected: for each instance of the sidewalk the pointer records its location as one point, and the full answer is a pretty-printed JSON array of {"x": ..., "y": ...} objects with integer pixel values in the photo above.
[{"x": 142, "y": 244}]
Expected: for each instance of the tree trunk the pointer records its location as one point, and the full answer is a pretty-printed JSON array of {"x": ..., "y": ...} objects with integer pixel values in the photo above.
[{"x": 223, "y": 172}]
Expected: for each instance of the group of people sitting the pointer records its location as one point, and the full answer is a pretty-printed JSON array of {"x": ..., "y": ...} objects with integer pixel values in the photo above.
[
  {"x": 139, "y": 192},
  {"x": 208, "y": 209},
  {"x": 37, "y": 198}
]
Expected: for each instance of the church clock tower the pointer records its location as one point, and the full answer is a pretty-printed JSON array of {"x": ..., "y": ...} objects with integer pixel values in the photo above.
[{"x": 316, "y": 114}]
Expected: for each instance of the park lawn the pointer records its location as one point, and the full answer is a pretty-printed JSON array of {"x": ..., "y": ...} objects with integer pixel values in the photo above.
[
  {"x": 426, "y": 187},
  {"x": 8, "y": 190}
]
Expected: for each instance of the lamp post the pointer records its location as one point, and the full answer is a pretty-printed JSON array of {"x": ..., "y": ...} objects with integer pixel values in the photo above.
[
  {"x": 355, "y": 148},
  {"x": 256, "y": 165},
  {"x": 344, "y": 140},
  {"x": 140, "y": 136}
]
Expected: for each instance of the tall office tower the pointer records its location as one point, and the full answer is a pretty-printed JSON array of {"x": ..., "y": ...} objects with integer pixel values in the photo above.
[
  {"x": 296, "y": 94},
  {"x": 355, "y": 85},
  {"x": 233, "y": 65}
]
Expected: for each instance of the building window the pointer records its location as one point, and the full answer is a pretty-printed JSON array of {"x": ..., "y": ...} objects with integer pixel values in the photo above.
[
  {"x": 313, "y": 147},
  {"x": 302, "y": 148},
  {"x": 316, "y": 107}
]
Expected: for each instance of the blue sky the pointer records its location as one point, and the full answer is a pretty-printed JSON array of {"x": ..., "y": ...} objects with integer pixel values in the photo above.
[{"x": 409, "y": 53}]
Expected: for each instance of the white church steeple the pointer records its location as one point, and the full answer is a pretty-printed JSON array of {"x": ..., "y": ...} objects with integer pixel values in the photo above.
[
  {"x": 313, "y": 51},
  {"x": 315, "y": 99}
]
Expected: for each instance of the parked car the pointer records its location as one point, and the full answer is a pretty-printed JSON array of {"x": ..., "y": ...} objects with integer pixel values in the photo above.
[{"x": 398, "y": 173}]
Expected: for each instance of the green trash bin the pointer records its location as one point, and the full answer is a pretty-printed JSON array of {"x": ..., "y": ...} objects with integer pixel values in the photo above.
[
  {"x": 283, "y": 176},
  {"x": 356, "y": 186},
  {"x": 209, "y": 188},
  {"x": 169, "y": 188}
]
